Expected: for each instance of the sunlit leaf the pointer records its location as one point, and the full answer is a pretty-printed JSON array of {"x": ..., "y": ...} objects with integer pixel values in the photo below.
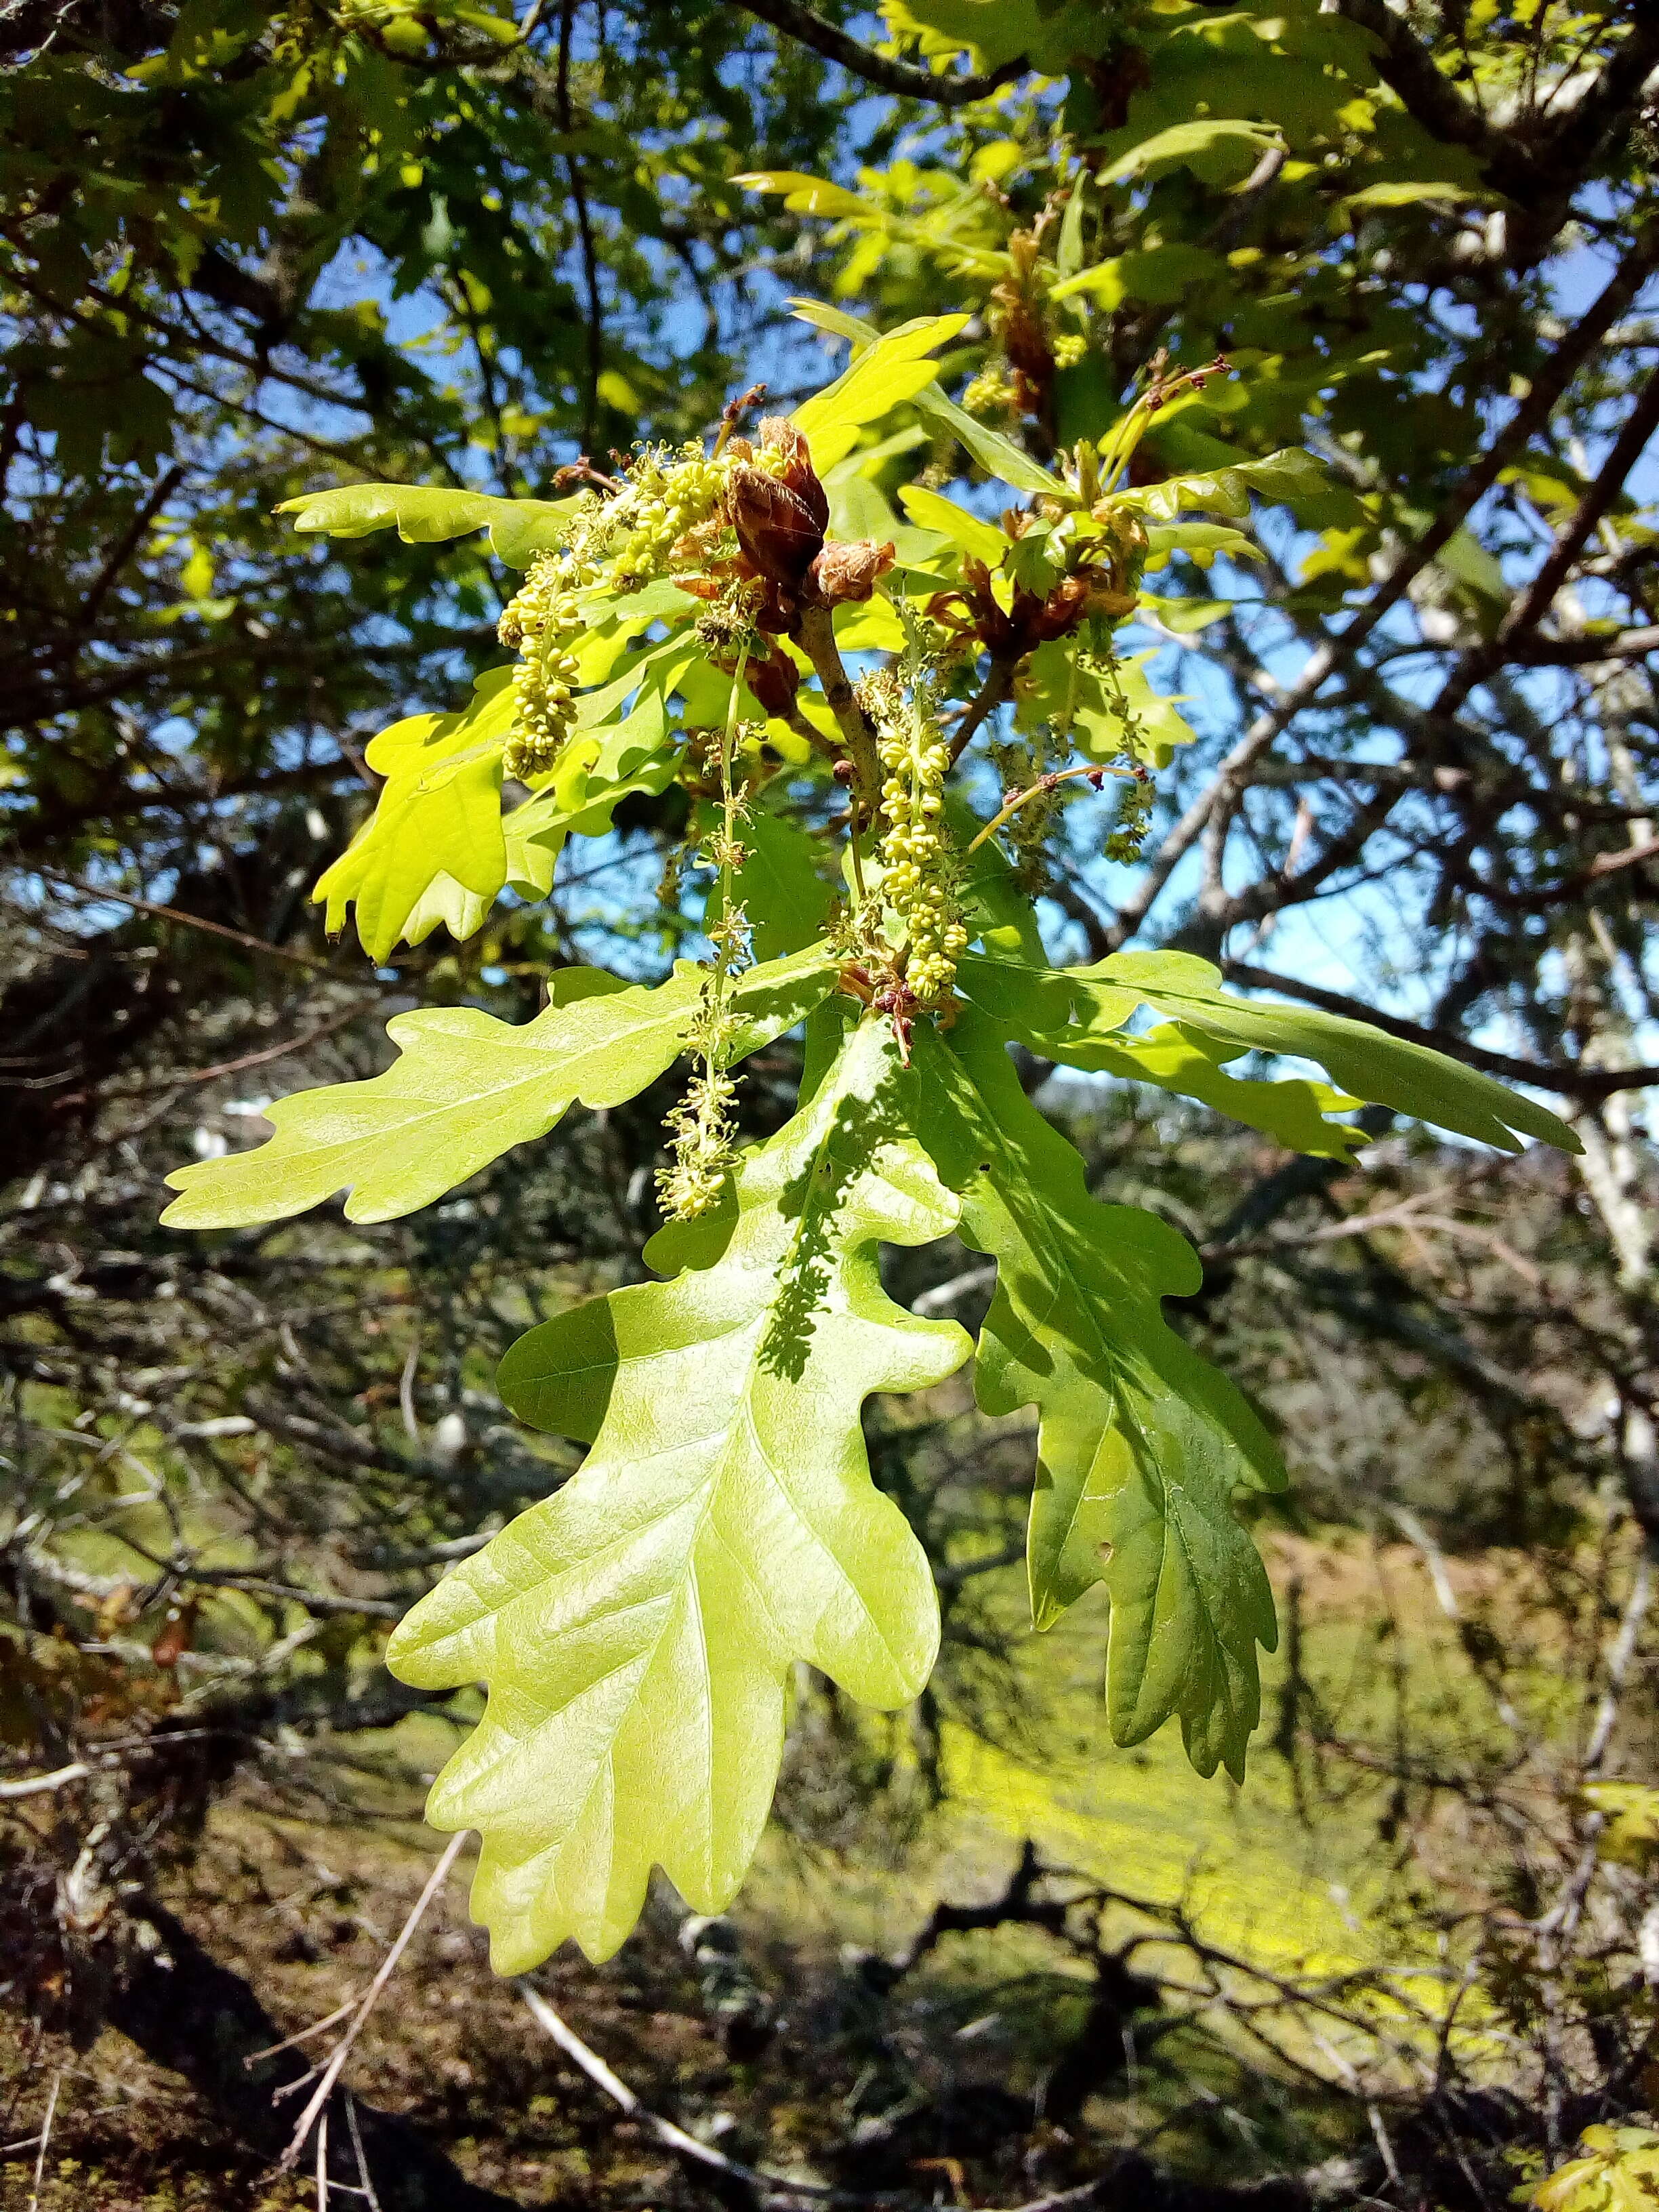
[
  {"x": 934, "y": 512},
  {"x": 1141, "y": 1445},
  {"x": 997, "y": 455},
  {"x": 439, "y": 815},
  {"x": 423, "y": 513},
  {"x": 1219, "y": 150},
  {"x": 466, "y": 1088},
  {"x": 636, "y": 1631},
  {"x": 1059, "y": 1011},
  {"x": 895, "y": 368},
  {"x": 1292, "y": 1111}
]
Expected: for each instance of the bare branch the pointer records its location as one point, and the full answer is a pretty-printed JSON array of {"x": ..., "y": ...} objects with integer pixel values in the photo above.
[{"x": 1548, "y": 388}]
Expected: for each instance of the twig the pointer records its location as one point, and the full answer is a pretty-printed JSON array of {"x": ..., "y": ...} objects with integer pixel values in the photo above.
[
  {"x": 162, "y": 490},
  {"x": 997, "y": 687},
  {"x": 260, "y": 1059},
  {"x": 1547, "y": 388},
  {"x": 1571, "y": 652},
  {"x": 241, "y": 936},
  {"x": 45, "y": 2137},
  {"x": 1625, "y": 450},
  {"x": 942, "y": 1296},
  {"x": 1044, "y": 783},
  {"x": 299, "y": 2034},
  {"x": 887, "y": 74},
  {"x": 363, "y": 2173},
  {"x": 818, "y": 638},
  {"x": 36, "y": 1785},
  {"x": 1619, "y": 1662},
  {"x": 406, "y": 1391},
  {"x": 330, "y": 2073},
  {"x": 666, "y": 2133},
  {"x": 595, "y": 319}
]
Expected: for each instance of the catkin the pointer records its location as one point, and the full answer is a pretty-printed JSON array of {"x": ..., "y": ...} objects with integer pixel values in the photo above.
[
  {"x": 918, "y": 865},
  {"x": 630, "y": 540}
]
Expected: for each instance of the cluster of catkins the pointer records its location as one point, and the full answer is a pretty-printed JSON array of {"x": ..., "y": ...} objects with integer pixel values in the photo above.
[
  {"x": 544, "y": 620},
  {"x": 917, "y": 863},
  {"x": 668, "y": 493}
]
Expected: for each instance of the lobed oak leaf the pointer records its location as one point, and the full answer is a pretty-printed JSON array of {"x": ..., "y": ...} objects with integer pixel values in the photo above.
[{"x": 636, "y": 1631}]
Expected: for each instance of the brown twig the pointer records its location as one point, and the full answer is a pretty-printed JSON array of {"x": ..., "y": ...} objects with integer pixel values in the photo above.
[
  {"x": 46, "y": 2138},
  {"x": 674, "y": 2138},
  {"x": 584, "y": 231},
  {"x": 261, "y": 1058},
  {"x": 1529, "y": 611},
  {"x": 1547, "y": 388},
  {"x": 997, "y": 687},
  {"x": 817, "y": 638}
]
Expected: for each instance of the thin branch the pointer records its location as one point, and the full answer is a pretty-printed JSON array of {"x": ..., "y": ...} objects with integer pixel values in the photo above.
[
  {"x": 674, "y": 2138},
  {"x": 162, "y": 490},
  {"x": 1575, "y": 651},
  {"x": 584, "y": 230},
  {"x": 818, "y": 638},
  {"x": 45, "y": 2137},
  {"x": 190, "y": 921},
  {"x": 1410, "y": 69},
  {"x": 1529, "y": 611},
  {"x": 903, "y": 79},
  {"x": 1547, "y": 388},
  {"x": 327, "y": 1029},
  {"x": 998, "y": 686},
  {"x": 37, "y": 1786},
  {"x": 316, "y": 2109}
]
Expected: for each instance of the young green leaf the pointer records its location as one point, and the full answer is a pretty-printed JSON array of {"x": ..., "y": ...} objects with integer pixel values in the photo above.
[
  {"x": 1201, "y": 541},
  {"x": 934, "y": 512},
  {"x": 439, "y": 816},
  {"x": 637, "y": 1630},
  {"x": 466, "y": 1088},
  {"x": 1215, "y": 479},
  {"x": 1062, "y": 1012},
  {"x": 999, "y": 455},
  {"x": 780, "y": 884},
  {"x": 1219, "y": 150},
  {"x": 996, "y": 910},
  {"x": 1189, "y": 1065},
  {"x": 1141, "y": 1444},
  {"x": 895, "y": 368},
  {"x": 1062, "y": 692},
  {"x": 519, "y": 528}
]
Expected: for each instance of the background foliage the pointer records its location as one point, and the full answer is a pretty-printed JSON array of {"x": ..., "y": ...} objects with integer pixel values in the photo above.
[{"x": 251, "y": 254}]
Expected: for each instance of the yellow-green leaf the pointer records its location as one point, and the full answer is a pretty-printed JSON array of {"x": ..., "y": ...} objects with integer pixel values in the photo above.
[
  {"x": 636, "y": 1632},
  {"x": 466, "y": 1088}
]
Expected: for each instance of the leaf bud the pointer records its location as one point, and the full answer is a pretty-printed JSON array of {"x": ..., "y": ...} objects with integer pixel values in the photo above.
[
  {"x": 848, "y": 572},
  {"x": 779, "y": 510}
]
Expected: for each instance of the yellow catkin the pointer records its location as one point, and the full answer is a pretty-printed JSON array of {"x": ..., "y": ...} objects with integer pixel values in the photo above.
[
  {"x": 628, "y": 541},
  {"x": 544, "y": 620},
  {"x": 918, "y": 879}
]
